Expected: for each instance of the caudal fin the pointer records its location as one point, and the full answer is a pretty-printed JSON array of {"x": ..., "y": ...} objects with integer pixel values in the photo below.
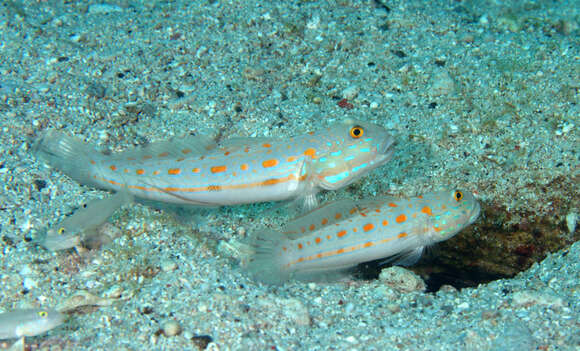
[
  {"x": 268, "y": 263},
  {"x": 69, "y": 155}
]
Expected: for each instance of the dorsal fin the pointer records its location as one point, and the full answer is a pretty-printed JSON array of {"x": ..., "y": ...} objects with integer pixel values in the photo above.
[
  {"x": 173, "y": 148},
  {"x": 236, "y": 143},
  {"x": 321, "y": 217}
]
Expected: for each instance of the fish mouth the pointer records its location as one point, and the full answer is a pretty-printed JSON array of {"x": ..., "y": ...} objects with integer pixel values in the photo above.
[{"x": 385, "y": 147}]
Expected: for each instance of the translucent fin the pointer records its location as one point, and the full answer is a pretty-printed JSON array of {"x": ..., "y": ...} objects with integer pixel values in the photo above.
[
  {"x": 324, "y": 275},
  {"x": 67, "y": 154},
  {"x": 240, "y": 142},
  {"x": 174, "y": 148},
  {"x": 267, "y": 262},
  {"x": 407, "y": 258},
  {"x": 320, "y": 217}
]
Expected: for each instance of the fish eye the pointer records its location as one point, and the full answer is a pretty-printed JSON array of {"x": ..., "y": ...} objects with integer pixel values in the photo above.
[
  {"x": 43, "y": 314},
  {"x": 458, "y": 195},
  {"x": 61, "y": 230},
  {"x": 356, "y": 132}
]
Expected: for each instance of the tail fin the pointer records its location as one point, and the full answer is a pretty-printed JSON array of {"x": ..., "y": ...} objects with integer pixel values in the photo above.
[
  {"x": 268, "y": 263},
  {"x": 69, "y": 155}
]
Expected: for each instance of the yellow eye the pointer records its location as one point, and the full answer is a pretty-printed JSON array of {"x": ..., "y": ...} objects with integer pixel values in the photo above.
[
  {"x": 458, "y": 195},
  {"x": 61, "y": 230},
  {"x": 356, "y": 132},
  {"x": 42, "y": 314}
]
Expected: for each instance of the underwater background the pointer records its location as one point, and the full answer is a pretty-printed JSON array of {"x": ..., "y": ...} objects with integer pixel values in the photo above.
[{"x": 479, "y": 95}]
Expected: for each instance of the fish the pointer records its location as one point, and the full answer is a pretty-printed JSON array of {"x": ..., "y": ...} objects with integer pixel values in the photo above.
[
  {"x": 83, "y": 225},
  {"x": 28, "y": 322},
  {"x": 195, "y": 170},
  {"x": 330, "y": 241}
]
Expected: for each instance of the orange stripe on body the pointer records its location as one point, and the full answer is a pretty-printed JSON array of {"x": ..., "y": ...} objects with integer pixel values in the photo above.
[{"x": 272, "y": 181}]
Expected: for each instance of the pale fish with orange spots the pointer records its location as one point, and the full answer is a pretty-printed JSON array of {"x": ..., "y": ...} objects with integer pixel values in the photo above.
[
  {"x": 328, "y": 242},
  {"x": 196, "y": 171}
]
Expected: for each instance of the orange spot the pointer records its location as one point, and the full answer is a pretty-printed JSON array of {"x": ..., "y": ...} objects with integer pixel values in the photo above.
[
  {"x": 420, "y": 196},
  {"x": 402, "y": 235},
  {"x": 244, "y": 167},
  {"x": 303, "y": 230},
  {"x": 163, "y": 154},
  {"x": 174, "y": 171},
  {"x": 324, "y": 221},
  {"x": 392, "y": 204},
  {"x": 427, "y": 210},
  {"x": 328, "y": 237},
  {"x": 401, "y": 218},
  {"x": 310, "y": 152},
  {"x": 385, "y": 222},
  {"x": 92, "y": 162},
  {"x": 368, "y": 226},
  {"x": 284, "y": 248},
  {"x": 196, "y": 170},
  {"x": 291, "y": 158},
  {"x": 267, "y": 145},
  {"x": 271, "y": 181},
  {"x": 436, "y": 229},
  {"x": 186, "y": 151},
  {"x": 363, "y": 214},
  {"x": 443, "y": 207},
  {"x": 319, "y": 255},
  {"x": 378, "y": 210},
  {"x": 147, "y": 157},
  {"x": 318, "y": 240},
  {"x": 338, "y": 215},
  {"x": 301, "y": 259},
  {"x": 126, "y": 170},
  {"x": 214, "y": 188},
  {"x": 270, "y": 163},
  {"x": 353, "y": 210},
  {"x": 311, "y": 133},
  {"x": 312, "y": 227},
  {"x": 156, "y": 173},
  {"x": 355, "y": 230},
  {"x": 369, "y": 244},
  {"x": 140, "y": 171},
  {"x": 339, "y": 251},
  {"x": 410, "y": 205},
  {"x": 218, "y": 169},
  {"x": 247, "y": 149},
  {"x": 113, "y": 168},
  {"x": 341, "y": 233},
  {"x": 226, "y": 153},
  {"x": 300, "y": 246}
]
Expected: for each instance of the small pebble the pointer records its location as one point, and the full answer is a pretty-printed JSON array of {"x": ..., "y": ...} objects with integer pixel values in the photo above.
[
  {"x": 350, "y": 92},
  {"x": 401, "y": 279},
  {"x": 571, "y": 220},
  {"x": 171, "y": 328},
  {"x": 168, "y": 266}
]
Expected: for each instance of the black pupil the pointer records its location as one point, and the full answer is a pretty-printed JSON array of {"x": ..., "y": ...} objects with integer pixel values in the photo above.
[
  {"x": 356, "y": 131},
  {"x": 458, "y": 196}
]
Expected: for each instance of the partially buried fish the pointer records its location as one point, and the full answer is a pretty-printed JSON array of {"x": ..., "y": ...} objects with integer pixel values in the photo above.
[
  {"x": 28, "y": 322},
  {"x": 325, "y": 243},
  {"x": 196, "y": 171},
  {"x": 83, "y": 228}
]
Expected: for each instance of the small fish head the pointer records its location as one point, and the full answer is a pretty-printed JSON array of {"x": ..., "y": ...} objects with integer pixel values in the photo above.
[
  {"x": 357, "y": 148},
  {"x": 450, "y": 212},
  {"x": 37, "y": 321}
]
